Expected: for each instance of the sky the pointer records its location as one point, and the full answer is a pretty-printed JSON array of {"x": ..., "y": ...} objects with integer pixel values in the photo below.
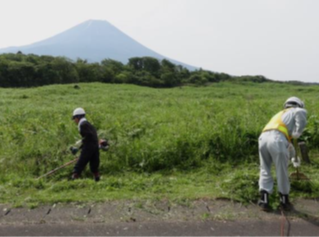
[{"x": 278, "y": 39}]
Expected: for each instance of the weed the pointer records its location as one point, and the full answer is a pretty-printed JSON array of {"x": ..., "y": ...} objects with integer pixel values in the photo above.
[{"x": 205, "y": 216}]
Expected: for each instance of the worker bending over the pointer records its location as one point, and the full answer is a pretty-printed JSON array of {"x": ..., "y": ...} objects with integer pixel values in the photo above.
[{"x": 274, "y": 144}]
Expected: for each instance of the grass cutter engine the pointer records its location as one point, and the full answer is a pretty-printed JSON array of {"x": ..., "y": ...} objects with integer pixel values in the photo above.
[{"x": 104, "y": 145}]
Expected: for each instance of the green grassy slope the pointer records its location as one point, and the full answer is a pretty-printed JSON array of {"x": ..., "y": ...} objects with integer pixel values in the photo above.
[{"x": 189, "y": 142}]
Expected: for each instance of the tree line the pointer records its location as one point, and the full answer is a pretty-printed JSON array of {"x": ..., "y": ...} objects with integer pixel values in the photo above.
[{"x": 20, "y": 70}]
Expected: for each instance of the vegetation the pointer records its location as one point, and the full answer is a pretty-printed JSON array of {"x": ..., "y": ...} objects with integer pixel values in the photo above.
[
  {"x": 179, "y": 143},
  {"x": 19, "y": 70}
]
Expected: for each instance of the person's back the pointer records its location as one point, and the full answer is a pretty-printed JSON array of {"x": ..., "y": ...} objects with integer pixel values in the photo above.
[
  {"x": 295, "y": 120},
  {"x": 88, "y": 133}
]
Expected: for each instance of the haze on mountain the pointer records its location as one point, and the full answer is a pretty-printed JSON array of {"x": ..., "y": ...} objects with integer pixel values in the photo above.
[{"x": 92, "y": 40}]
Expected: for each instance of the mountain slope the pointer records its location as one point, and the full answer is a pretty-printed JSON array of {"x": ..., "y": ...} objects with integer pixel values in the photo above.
[{"x": 93, "y": 40}]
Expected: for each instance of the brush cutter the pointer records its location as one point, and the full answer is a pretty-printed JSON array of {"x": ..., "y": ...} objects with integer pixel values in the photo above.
[
  {"x": 103, "y": 145},
  {"x": 296, "y": 163},
  {"x": 56, "y": 169}
]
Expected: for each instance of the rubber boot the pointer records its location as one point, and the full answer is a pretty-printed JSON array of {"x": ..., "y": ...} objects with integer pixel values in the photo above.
[
  {"x": 96, "y": 176},
  {"x": 284, "y": 202},
  {"x": 263, "y": 203}
]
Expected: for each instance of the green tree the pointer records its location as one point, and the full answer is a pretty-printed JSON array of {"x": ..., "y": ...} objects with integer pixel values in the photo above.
[
  {"x": 136, "y": 63},
  {"x": 21, "y": 74},
  {"x": 66, "y": 71},
  {"x": 151, "y": 65},
  {"x": 168, "y": 66},
  {"x": 46, "y": 75},
  {"x": 4, "y": 74},
  {"x": 114, "y": 66},
  {"x": 88, "y": 72}
]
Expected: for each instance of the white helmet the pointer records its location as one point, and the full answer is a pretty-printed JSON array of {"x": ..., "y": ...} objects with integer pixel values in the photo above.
[
  {"x": 78, "y": 112},
  {"x": 294, "y": 102}
]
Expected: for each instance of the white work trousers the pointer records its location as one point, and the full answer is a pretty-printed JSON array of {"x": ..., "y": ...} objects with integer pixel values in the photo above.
[{"x": 273, "y": 148}]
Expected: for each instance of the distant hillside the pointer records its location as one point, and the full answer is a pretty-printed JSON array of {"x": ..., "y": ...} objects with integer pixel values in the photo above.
[{"x": 93, "y": 41}]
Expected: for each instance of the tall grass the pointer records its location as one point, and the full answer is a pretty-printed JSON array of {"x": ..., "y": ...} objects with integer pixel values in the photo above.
[
  {"x": 149, "y": 129},
  {"x": 179, "y": 143}
]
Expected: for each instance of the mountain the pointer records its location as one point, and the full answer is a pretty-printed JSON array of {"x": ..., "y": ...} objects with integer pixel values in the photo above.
[{"x": 93, "y": 40}]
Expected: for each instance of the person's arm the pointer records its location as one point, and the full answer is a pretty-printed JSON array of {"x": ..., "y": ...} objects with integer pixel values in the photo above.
[
  {"x": 300, "y": 122},
  {"x": 291, "y": 151}
]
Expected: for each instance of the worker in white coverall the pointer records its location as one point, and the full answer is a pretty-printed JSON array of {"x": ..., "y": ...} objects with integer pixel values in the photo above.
[{"x": 274, "y": 145}]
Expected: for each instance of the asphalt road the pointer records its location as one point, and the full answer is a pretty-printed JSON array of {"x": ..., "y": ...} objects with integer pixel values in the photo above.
[
  {"x": 162, "y": 218},
  {"x": 207, "y": 228}
]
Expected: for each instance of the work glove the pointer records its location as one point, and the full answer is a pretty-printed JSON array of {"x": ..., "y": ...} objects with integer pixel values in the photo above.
[
  {"x": 78, "y": 143},
  {"x": 74, "y": 150},
  {"x": 291, "y": 151},
  {"x": 296, "y": 162}
]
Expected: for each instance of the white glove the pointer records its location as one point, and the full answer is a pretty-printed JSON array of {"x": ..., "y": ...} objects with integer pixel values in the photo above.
[
  {"x": 291, "y": 151},
  {"x": 296, "y": 162},
  {"x": 296, "y": 134}
]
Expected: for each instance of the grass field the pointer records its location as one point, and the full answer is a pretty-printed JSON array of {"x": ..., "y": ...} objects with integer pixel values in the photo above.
[{"x": 177, "y": 144}]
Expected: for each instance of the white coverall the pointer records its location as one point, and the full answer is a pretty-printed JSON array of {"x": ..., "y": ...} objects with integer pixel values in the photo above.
[{"x": 274, "y": 148}]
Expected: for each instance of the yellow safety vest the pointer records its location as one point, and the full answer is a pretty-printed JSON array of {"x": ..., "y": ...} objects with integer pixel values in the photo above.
[{"x": 277, "y": 124}]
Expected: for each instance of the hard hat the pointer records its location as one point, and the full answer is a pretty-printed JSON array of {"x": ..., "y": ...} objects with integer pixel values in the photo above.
[
  {"x": 78, "y": 112},
  {"x": 293, "y": 102}
]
